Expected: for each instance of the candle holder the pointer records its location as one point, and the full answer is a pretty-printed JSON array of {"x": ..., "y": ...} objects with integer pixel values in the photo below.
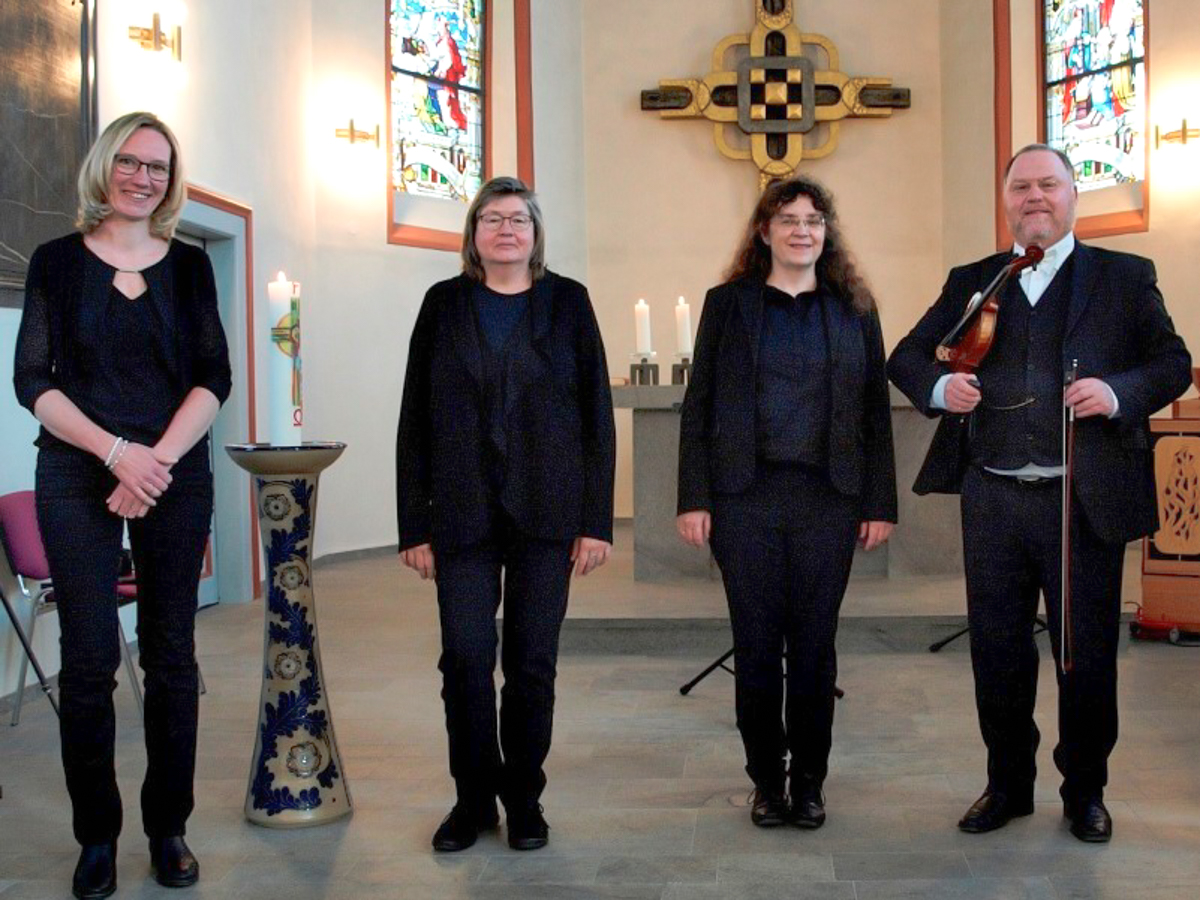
[
  {"x": 644, "y": 369},
  {"x": 681, "y": 370}
]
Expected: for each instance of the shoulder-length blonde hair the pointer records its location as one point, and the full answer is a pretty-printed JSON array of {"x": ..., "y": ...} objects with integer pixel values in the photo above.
[
  {"x": 835, "y": 267},
  {"x": 95, "y": 176},
  {"x": 503, "y": 186}
]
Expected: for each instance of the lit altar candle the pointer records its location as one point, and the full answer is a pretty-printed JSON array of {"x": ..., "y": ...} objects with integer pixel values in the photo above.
[
  {"x": 285, "y": 410},
  {"x": 683, "y": 328},
  {"x": 641, "y": 317}
]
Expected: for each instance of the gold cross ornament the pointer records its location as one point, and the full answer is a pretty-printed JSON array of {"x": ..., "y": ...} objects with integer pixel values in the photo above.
[{"x": 776, "y": 94}]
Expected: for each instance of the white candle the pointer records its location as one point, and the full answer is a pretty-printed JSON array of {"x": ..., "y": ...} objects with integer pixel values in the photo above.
[
  {"x": 641, "y": 317},
  {"x": 683, "y": 328},
  {"x": 284, "y": 409}
]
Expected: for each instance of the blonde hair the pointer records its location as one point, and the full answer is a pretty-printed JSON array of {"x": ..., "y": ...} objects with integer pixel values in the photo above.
[{"x": 95, "y": 176}]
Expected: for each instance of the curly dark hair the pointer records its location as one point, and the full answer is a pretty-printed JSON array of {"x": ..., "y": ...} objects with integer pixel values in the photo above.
[{"x": 835, "y": 267}]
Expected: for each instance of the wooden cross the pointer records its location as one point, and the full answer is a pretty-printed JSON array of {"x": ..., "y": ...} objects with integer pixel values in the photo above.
[{"x": 776, "y": 95}]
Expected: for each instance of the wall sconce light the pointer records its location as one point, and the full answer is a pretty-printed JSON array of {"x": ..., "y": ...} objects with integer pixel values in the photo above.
[
  {"x": 355, "y": 137},
  {"x": 1180, "y": 136},
  {"x": 154, "y": 38}
]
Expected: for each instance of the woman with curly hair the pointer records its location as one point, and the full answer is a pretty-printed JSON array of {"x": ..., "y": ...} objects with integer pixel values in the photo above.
[{"x": 785, "y": 462}]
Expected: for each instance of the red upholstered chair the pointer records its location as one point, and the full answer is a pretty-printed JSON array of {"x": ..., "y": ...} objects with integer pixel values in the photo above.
[{"x": 25, "y": 573}]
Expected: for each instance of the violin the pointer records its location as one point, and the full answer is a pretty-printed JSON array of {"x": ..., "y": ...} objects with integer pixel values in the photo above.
[{"x": 968, "y": 342}]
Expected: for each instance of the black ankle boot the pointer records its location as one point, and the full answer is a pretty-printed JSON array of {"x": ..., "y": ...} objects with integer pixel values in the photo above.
[
  {"x": 172, "y": 863},
  {"x": 96, "y": 871}
]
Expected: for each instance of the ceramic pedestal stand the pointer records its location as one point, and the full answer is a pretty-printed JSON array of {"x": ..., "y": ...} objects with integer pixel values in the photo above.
[{"x": 296, "y": 776}]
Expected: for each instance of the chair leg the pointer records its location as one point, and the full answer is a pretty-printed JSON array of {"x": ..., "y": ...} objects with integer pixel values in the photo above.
[
  {"x": 37, "y": 667},
  {"x": 200, "y": 678},
  {"x": 19, "y": 700},
  {"x": 131, "y": 670}
]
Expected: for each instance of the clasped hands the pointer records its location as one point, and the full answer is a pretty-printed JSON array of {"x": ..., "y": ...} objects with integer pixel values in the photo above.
[
  {"x": 587, "y": 554},
  {"x": 1089, "y": 396},
  {"x": 695, "y": 527},
  {"x": 143, "y": 473}
]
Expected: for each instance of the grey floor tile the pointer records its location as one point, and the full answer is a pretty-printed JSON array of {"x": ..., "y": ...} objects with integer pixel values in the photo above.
[
  {"x": 899, "y": 866},
  {"x": 679, "y": 869},
  {"x": 958, "y": 889},
  {"x": 792, "y": 867},
  {"x": 527, "y": 869},
  {"x": 1092, "y": 888}
]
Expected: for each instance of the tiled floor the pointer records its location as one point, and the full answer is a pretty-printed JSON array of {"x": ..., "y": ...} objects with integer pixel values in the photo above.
[{"x": 647, "y": 795}]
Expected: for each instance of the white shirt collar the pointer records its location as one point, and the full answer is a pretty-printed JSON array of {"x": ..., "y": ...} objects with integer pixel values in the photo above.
[{"x": 1056, "y": 255}]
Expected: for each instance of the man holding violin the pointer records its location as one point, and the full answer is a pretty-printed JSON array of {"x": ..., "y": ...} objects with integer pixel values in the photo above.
[{"x": 1080, "y": 346}]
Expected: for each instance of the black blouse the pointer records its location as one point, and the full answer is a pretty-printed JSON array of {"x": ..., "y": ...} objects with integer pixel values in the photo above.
[{"x": 67, "y": 338}]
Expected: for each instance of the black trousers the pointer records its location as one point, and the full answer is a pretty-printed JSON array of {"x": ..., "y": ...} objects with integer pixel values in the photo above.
[
  {"x": 484, "y": 762},
  {"x": 1012, "y": 552},
  {"x": 83, "y": 545},
  {"x": 784, "y": 548}
]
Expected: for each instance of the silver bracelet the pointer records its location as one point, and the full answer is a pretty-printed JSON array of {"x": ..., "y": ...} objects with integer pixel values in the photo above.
[
  {"x": 112, "y": 465},
  {"x": 108, "y": 460}
]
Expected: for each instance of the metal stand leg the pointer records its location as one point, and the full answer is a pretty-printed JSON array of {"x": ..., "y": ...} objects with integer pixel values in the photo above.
[
  {"x": 131, "y": 670},
  {"x": 719, "y": 663},
  {"x": 938, "y": 645}
]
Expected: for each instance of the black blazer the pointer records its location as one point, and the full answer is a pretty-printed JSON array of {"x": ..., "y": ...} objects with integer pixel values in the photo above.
[
  {"x": 717, "y": 440},
  {"x": 1119, "y": 330},
  {"x": 561, "y": 450},
  {"x": 66, "y": 291}
]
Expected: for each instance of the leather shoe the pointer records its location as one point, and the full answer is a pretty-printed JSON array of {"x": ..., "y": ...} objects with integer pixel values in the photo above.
[
  {"x": 461, "y": 828},
  {"x": 807, "y": 809},
  {"x": 1090, "y": 821},
  {"x": 96, "y": 872},
  {"x": 527, "y": 828},
  {"x": 993, "y": 810},
  {"x": 768, "y": 809},
  {"x": 172, "y": 862}
]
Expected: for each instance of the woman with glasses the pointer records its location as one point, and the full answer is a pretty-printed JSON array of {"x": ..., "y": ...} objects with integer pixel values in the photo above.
[
  {"x": 504, "y": 475},
  {"x": 122, "y": 358},
  {"x": 785, "y": 462}
]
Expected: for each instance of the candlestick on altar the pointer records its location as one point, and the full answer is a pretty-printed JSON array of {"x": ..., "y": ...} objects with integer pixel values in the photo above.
[
  {"x": 641, "y": 320},
  {"x": 683, "y": 328},
  {"x": 285, "y": 406}
]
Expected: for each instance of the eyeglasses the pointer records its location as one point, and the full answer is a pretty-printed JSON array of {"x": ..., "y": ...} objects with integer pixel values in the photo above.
[
  {"x": 493, "y": 221},
  {"x": 810, "y": 223},
  {"x": 129, "y": 165}
]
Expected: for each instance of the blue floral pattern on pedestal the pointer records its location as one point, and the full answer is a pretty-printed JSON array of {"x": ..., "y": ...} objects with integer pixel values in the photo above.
[{"x": 287, "y": 551}]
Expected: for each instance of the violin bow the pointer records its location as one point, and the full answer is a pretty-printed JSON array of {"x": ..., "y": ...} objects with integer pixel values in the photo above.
[{"x": 1066, "y": 652}]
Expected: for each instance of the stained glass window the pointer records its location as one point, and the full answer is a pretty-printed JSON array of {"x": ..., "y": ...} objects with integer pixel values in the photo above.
[
  {"x": 1095, "y": 88},
  {"x": 437, "y": 97}
]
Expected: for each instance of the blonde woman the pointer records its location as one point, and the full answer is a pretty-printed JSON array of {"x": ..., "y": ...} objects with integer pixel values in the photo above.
[{"x": 122, "y": 358}]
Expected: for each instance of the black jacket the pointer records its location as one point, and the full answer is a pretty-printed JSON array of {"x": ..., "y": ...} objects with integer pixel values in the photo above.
[
  {"x": 561, "y": 453},
  {"x": 66, "y": 291},
  {"x": 1119, "y": 331},
  {"x": 717, "y": 437}
]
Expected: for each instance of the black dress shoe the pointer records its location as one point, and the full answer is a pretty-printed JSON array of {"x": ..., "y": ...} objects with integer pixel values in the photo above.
[
  {"x": 768, "y": 809},
  {"x": 807, "y": 809},
  {"x": 96, "y": 872},
  {"x": 527, "y": 828},
  {"x": 1090, "y": 821},
  {"x": 461, "y": 828},
  {"x": 993, "y": 810},
  {"x": 172, "y": 862}
]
